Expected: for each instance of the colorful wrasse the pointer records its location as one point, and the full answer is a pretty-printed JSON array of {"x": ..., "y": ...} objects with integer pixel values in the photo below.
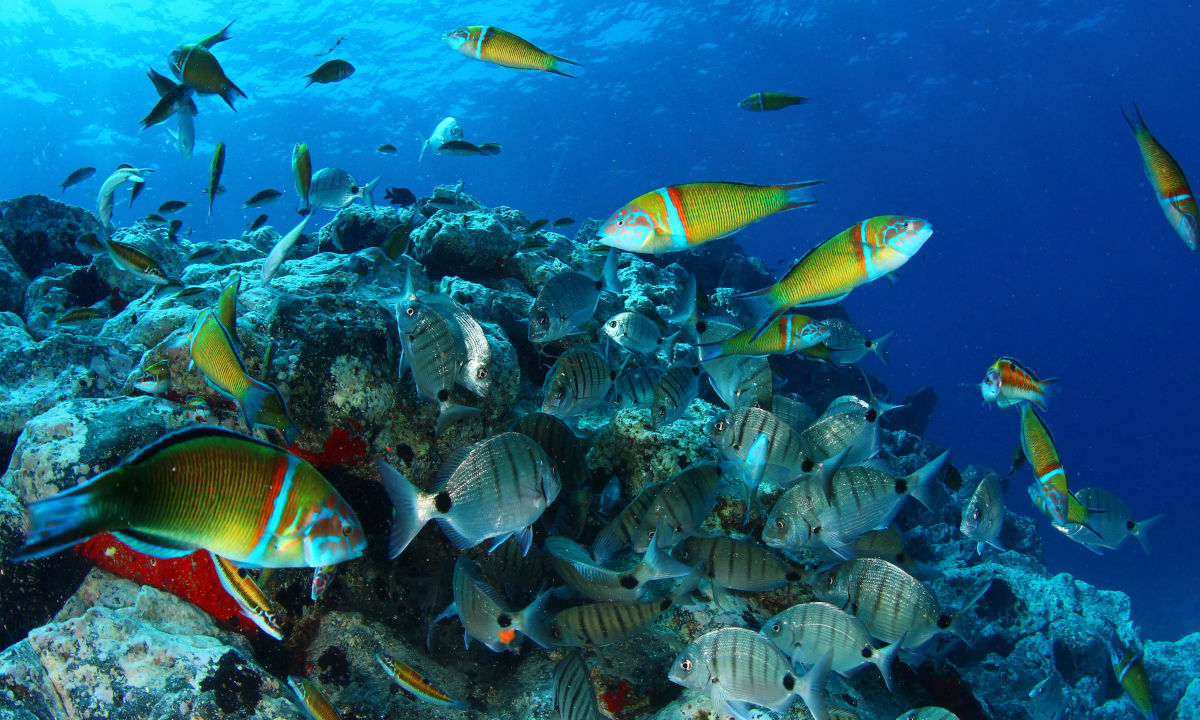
[
  {"x": 155, "y": 379},
  {"x": 416, "y": 683},
  {"x": 214, "y": 174},
  {"x": 302, "y": 173},
  {"x": 249, "y": 596},
  {"x": 761, "y": 101},
  {"x": 227, "y": 307},
  {"x": 212, "y": 351},
  {"x": 211, "y": 488},
  {"x": 197, "y": 67},
  {"x": 1170, "y": 186},
  {"x": 1007, "y": 382},
  {"x": 788, "y": 334},
  {"x": 1133, "y": 677},
  {"x": 132, "y": 260},
  {"x": 680, "y": 217},
  {"x": 1050, "y": 492},
  {"x": 322, "y": 579},
  {"x": 316, "y": 705},
  {"x": 827, "y": 273},
  {"x": 502, "y": 48}
]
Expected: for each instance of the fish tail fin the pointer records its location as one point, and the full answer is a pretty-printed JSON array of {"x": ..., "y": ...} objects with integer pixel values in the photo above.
[
  {"x": 531, "y": 621},
  {"x": 409, "y": 516},
  {"x": 811, "y": 689},
  {"x": 797, "y": 194},
  {"x": 880, "y": 344},
  {"x": 612, "y": 282},
  {"x": 369, "y": 190},
  {"x": 421, "y": 156},
  {"x": 1050, "y": 388},
  {"x": 451, "y": 413},
  {"x": 923, "y": 482},
  {"x": 760, "y": 307},
  {"x": 1141, "y": 531},
  {"x": 709, "y": 351},
  {"x": 554, "y": 62},
  {"x": 686, "y": 311},
  {"x": 954, "y": 628},
  {"x": 227, "y": 94},
  {"x": 661, "y": 564},
  {"x": 58, "y": 522},
  {"x": 885, "y": 659},
  {"x": 256, "y": 396}
]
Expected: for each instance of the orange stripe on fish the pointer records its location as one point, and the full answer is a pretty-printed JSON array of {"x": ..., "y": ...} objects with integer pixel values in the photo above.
[
  {"x": 1166, "y": 177},
  {"x": 415, "y": 683}
]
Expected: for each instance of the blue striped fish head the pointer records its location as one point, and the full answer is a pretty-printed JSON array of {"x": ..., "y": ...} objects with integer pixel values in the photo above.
[
  {"x": 631, "y": 228},
  {"x": 457, "y": 38},
  {"x": 720, "y": 431},
  {"x": 1050, "y": 500},
  {"x": 905, "y": 234},
  {"x": 989, "y": 387},
  {"x": 786, "y": 529},
  {"x": 332, "y": 533}
]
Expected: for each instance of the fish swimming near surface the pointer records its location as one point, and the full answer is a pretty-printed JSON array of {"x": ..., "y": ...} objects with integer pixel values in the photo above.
[
  {"x": 828, "y": 273},
  {"x": 447, "y": 130},
  {"x": 1166, "y": 177},
  {"x": 262, "y": 197},
  {"x": 563, "y": 304},
  {"x": 214, "y": 175},
  {"x": 1115, "y": 524},
  {"x": 172, "y": 206},
  {"x": 416, "y": 683},
  {"x": 302, "y": 174},
  {"x": 739, "y": 668},
  {"x": 206, "y": 487},
  {"x": 462, "y": 147},
  {"x": 808, "y": 631},
  {"x": 177, "y": 100},
  {"x": 258, "y": 222},
  {"x": 493, "y": 489},
  {"x": 983, "y": 515},
  {"x": 185, "y": 137},
  {"x": 312, "y": 699},
  {"x": 198, "y": 68},
  {"x": 334, "y": 189},
  {"x": 1134, "y": 679},
  {"x": 1007, "y": 382},
  {"x": 500, "y": 47},
  {"x": 255, "y": 605},
  {"x": 331, "y": 71},
  {"x": 788, "y": 334},
  {"x": 77, "y": 176},
  {"x": 386, "y": 149},
  {"x": 761, "y": 101},
  {"x": 1050, "y": 492},
  {"x": 563, "y": 222},
  {"x": 680, "y": 217}
]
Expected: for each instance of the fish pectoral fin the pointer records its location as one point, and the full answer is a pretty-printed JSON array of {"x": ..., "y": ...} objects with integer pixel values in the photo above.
[
  {"x": 153, "y": 546},
  {"x": 737, "y": 708}
]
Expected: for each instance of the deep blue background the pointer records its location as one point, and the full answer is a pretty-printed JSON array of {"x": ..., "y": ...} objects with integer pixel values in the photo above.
[{"x": 998, "y": 124}]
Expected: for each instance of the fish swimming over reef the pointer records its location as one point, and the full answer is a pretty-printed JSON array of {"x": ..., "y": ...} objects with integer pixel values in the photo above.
[
  {"x": 563, "y": 304},
  {"x": 302, "y": 174},
  {"x": 500, "y": 47},
  {"x": 464, "y": 148},
  {"x": 1134, "y": 679},
  {"x": 416, "y": 683},
  {"x": 1115, "y": 524},
  {"x": 104, "y": 200},
  {"x": 214, "y": 175},
  {"x": 1050, "y": 492},
  {"x": 312, "y": 699},
  {"x": 77, "y": 176},
  {"x": 788, "y": 334},
  {"x": 334, "y": 189},
  {"x": 983, "y": 515},
  {"x": 206, "y": 487},
  {"x": 808, "y": 631},
  {"x": 1166, "y": 177}
]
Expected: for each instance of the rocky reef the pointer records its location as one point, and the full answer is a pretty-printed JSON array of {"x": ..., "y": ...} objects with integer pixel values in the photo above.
[{"x": 99, "y": 631}]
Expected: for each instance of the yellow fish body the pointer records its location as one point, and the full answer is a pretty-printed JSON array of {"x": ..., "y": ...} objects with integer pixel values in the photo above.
[
  {"x": 212, "y": 351},
  {"x": 1170, "y": 186},
  {"x": 500, "y": 47}
]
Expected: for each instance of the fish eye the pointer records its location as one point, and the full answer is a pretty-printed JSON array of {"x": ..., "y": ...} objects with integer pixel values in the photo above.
[
  {"x": 559, "y": 394},
  {"x": 612, "y": 323},
  {"x": 686, "y": 665},
  {"x": 720, "y": 425},
  {"x": 779, "y": 523},
  {"x": 776, "y": 628},
  {"x": 481, "y": 373},
  {"x": 346, "y": 530},
  {"x": 410, "y": 311},
  {"x": 652, "y": 531},
  {"x": 543, "y": 319},
  {"x": 829, "y": 581},
  {"x": 977, "y": 515}
]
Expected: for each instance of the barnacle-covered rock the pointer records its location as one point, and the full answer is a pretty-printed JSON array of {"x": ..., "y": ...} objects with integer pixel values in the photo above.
[{"x": 40, "y": 233}]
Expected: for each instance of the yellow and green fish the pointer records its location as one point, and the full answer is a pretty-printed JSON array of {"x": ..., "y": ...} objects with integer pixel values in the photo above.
[
  {"x": 1049, "y": 492},
  {"x": 315, "y": 703},
  {"x": 1170, "y": 186},
  {"x": 212, "y": 351},
  {"x": 197, "y": 67},
  {"x": 491, "y": 44},
  {"x": 789, "y": 334},
  {"x": 826, "y": 274},
  {"x": 762, "y": 101},
  {"x": 416, "y": 683},
  {"x": 255, "y": 605},
  {"x": 1007, "y": 382},
  {"x": 302, "y": 172},
  {"x": 1133, "y": 678},
  {"x": 205, "y": 487},
  {"x": 680, "y": 217}
]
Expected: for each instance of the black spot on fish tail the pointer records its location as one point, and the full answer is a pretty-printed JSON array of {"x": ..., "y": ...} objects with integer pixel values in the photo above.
[
  {"x": 504, "y": 620},
  {"x": 628, "y": 582},
  {"x": 1130, "y": 525},
  {"x": 868, "y": 651},
  {"x": 871, "y": 415},
  {"x": 901, "y": 486},
  {"x": 443, "y": 395},
  {"x": 789, "y": 682},
  {"x": 443, "y": 502},
  {"x": 944, "y": 621},
  {"x": 701, "y": 326},
  {"x": 792, "y": 576},
  {"x": 807, "y": 465},
  {"x": 664, "y": 604}
]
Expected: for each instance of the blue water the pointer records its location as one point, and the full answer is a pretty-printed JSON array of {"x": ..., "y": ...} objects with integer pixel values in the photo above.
[{"x": 1000, "y": 124}]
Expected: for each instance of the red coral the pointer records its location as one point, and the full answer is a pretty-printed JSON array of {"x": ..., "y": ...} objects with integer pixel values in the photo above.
[
  {"x": 616, "y": 698},
  {"x": 341, "y": 448}
]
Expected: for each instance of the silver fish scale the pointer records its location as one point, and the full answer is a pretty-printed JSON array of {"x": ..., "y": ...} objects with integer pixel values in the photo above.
[
  {"x": 797, "y": 414},
  {"x": 480, "y": 607},
  {"x": 844, "y": 335},
  {"x": 674, "y": 391},
  {"x": 746, "y": 665},
  {"x": 430, "y": 348},
  {"x": 807, "y": 631},
  {"x": 1112, "y": 523},
  {"x": 560, "y": 443},
  {"x": 889, "y": 601},
  {"x": 737, "y": 564},
  {"x": 565, "y": 302},
  {"x": 635, "y": 388},
  {"x": 581, "y": 573},
  {"x": 600, "y": 624},
  {"x": 863, "y": 497},
  {"x": 574, "y": 693},
  {"x": 475, "y": 372},
  {"x": 578, "y": 381},
  {"x": 983, "y": 515},
  {"x": 634, "y": 331},
  {"x": 848, "y": 425},
  {"x": 679, "y": 507},
  {"x": 734, "y": 431},
  {"x": 739, "y": 380},
  {"x": 497, "y": 486},
  {"x": 790, "y": 523},
  {"x": 618, "y": 534},
  {"x": 332, "y": 189}
]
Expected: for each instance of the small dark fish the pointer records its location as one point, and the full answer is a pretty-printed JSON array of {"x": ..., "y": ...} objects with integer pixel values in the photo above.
[
  {"x": 214, "y": 174},
  {"x": 563, "y": 222},
  {"x": 258, "y": 222},
  {"x": 529, "y": 245},
  {"x": 331, "y": 47},
  {"x": 175, "y": 100},
  {"x": 262, "y": 197},
  {"x": 387, "y": 149},
  {"x": 135, "y": 190},
  {"x": 77, "y": 177},
  {"x": 155, "y": 219},
  {"x": 1018, "y": 459},
  {"x": 330, "y": 72},
  {"x": 171, "y": 206},
  {"x": 536, "y": 225},
  {"x": 462, "y": 147},
  {"x": 79, "y": 316},
  {"x": 204, "y": 251},
  {"x": 173, "y": 229},
  {"x": 400, "y": 196},
  {"x": 761, "y": 101}
]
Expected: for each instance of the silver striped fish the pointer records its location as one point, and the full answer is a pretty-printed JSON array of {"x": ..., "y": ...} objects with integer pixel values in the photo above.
[
  {"x": 635, "y": 388},
  {"x": 574, "y": 693},
  {"x": 734, "y": 431},
  {"x": 578, "y": 382},
  {"x": 983, "y": 515},
  {"x": 570, "y": 457},
  {"x": 796, "y": 413},
  {"x": 600, "y": 624},
  {"x": 849, "y": 424},
  {"x": 736, "y": 564},
  {"x": 619, "y": 532},
  {"x": 563, "y": 304},
  {"x": 673, "y": 393},
  {"x": 849, "y": 344},
  {"x": 1114, "y": 524},
  {"x": 739, "y": 380},
  {"x": 807, "y": 631},
  {"x": 679, "y": 507},
  {"x": 475, "y": 370},
  {"x": 596, "y": 582},
  {"x": 484, "y": 614},
  {"x": 492, "y": 489},
  {"x": 739, "y": 668},
  {"x": 634, "y": 331}
]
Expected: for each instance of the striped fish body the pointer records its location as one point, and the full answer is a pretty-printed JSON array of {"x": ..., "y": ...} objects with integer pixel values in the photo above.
[
  {"x": 736, "y": 564},
  {"x": 734, "y": 431},
  {"x": 485, "y": 615},
  {"x": 1131, "y": 672},
  {"x": 416, "y": 683},
  {"x": 787, "y": 334},
  {"x": 240, "y": 585},
  {"x": 600, "y": 624},
  {"x": 796, "y": 413},
  {"x": 227, "y": 307},
  {"x": 1053, "y": 497},
  {"x": 673, "y": 393},
  {"x": 849, "y": 344},
  {"x": 792, "y": 522},
  {"x": 1007, "y": 382},
  {"x": 574, "y": 693},
  {"x": 807, "y": 631},
  {"x": 211, "y": 488},
  {"x": 634, "y": 331},
  {"x": 1112, "y": 520},
  {"x": 1170, "y": 186},
  {"x": 857, "y": 255},
  {"x": 560, "y": 443},
  {"x": 211, "y": 348},
  {"x": 891, "y": 603},
  {"x": 302, "y": 174},
  {"x": 849, "y": 424},
  {"x": 605, "y": 584},
  {"x": 132, "y": 260},
  {"x": 563, "y": 304},
  {"x": 578, "y": 382},
  {"x": 475, "y": 372},
  {"x": 430, "y": 348},
  {"x": 680, "y": 217},
  {"x": 983, "y": 515},
  {"x": 500, "y": 47},
  {"x": 618, "y": 534},
  {"x": 929, "y": 712},
  {"x": 314, "y": 702},
  {"x": 635, "y": 388},
  {"x": 679, "y": 508},
  {"x": 214, "y": 172},
  {"x": 741, "y": 380},
  {"x": 274, "y": 414},
  {"x": 334, "y": 189}
]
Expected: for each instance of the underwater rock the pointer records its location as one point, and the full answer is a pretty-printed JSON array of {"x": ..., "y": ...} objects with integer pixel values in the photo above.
[
  {"x": 40, "y": 232},
  {"x": 1174, "y": 676},
  {"x": 12, "y": 283},
  {"x": 629, "y": 447},
  {"x": 914, "y": 413},
  {"x": 469, "y": 245},
  {"x": 357, "y": 227}
]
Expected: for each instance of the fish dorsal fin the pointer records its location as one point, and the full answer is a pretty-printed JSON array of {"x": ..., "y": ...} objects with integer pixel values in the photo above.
[
  {"x": 449, "y": 465},
  {"x": 147, "y": 452}
]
